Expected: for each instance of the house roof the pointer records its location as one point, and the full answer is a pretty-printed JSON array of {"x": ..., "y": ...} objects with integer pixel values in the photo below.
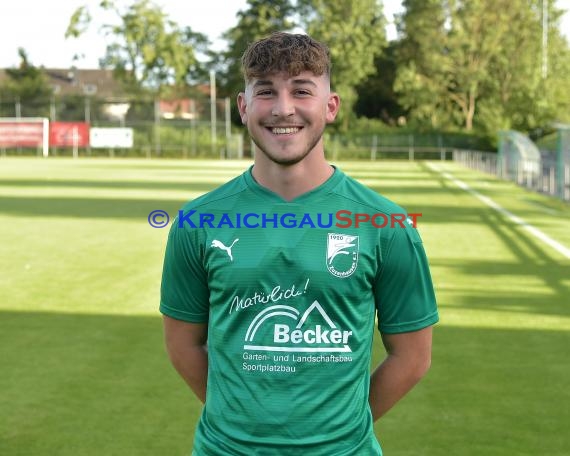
[
  {"x": 87, "y": 82},
  {"x": 73, "y": 81}
]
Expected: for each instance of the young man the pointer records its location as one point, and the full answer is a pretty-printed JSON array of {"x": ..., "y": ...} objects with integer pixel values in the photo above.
[{"x": 269, "y": 296}]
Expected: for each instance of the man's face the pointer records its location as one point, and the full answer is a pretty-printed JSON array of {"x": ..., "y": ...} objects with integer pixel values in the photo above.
[{"x": 286, "y": 115}]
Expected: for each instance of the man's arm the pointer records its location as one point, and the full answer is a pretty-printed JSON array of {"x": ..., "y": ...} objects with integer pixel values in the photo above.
[
  {"x": 186, "y": 347},
  {"x": 408, "y": 360}
]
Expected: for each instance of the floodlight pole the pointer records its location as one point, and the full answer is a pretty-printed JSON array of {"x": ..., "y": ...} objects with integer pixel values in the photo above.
[
  {"x": 544, "y": 39},
  {"x": 213, "y": 110}
]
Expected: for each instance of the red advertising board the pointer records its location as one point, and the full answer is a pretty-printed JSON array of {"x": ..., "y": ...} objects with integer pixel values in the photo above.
[
  {"x": 68, "y": 134},
  {"x": 21, "y": 134}
]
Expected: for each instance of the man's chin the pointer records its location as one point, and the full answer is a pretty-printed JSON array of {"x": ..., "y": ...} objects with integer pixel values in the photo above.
[{"x": 283, "y": 158}]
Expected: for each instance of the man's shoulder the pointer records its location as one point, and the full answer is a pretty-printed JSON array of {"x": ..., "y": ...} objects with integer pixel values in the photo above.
[
  {"x": 359, "y": 193},
  {"x": 220, "y": 196}
]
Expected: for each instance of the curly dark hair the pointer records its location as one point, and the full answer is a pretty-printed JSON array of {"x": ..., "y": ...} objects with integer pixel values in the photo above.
[{"x": 285, "y": 52}]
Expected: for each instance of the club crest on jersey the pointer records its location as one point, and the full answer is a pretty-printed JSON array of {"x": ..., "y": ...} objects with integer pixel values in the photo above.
[{"x": 342, "y": 254}]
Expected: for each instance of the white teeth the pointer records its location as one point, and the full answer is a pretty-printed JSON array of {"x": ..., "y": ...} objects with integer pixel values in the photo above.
[{"x": 285, "y": 131}]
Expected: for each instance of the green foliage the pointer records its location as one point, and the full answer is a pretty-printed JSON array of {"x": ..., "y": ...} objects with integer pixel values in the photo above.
[
  {"x": 418, "y": 53},
  {"x": 27, "y": 85},
  {"x": 78, "y": 23},
  {"x": 373, "y": 139},
  {"x": 73, "y": 108},
  {"x": 376, "y": 96},
  {"x": 259, "y": 19},
  {"x": 354, "y": 32},
  {"x": 149, "y": 50},
  {"x": 177, "y": 139},
  {"x": 477, "y": 65},
  {"x": 456, "y": 65}
]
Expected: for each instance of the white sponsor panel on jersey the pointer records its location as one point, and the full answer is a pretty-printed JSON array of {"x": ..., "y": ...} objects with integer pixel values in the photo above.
[{"x": 299, "y": 336}]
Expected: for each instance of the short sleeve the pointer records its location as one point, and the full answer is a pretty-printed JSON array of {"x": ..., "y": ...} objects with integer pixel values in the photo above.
[
  {"x": 184, "y": 292},
  {"x": 404, "y": 294}
]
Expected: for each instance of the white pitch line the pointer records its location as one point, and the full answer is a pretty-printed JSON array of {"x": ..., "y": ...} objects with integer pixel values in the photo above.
[{"x": 562, "y": 249}]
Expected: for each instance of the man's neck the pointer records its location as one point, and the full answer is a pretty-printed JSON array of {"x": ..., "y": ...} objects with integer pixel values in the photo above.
[{"x": 292, "y": 181}]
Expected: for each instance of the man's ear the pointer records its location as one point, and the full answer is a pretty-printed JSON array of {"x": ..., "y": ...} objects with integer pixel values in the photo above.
[
  {"x": 333, "y": 105},
  {"x": 242, "y": 107}
]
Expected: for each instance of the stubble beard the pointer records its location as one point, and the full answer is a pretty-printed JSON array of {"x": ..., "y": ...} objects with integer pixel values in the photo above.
[{"x": 289, "y": 161}]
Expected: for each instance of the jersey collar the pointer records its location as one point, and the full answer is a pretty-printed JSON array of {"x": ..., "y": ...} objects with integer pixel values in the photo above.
[{"x": 317, "y": 193}]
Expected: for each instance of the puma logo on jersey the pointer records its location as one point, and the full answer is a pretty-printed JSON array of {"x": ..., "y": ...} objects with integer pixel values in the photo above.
[{"x": 219, "y": 245}]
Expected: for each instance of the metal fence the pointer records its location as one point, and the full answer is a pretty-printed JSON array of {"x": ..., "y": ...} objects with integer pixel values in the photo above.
[
  {"x": 545, "y": 175},
  {"x": 202, "y": 127}
]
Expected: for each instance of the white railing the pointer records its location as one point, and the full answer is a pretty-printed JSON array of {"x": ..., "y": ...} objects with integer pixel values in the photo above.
[{"x": 538, "y": 175}]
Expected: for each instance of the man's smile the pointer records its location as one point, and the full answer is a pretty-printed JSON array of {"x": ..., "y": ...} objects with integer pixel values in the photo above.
[{"x": 284, "y": 130}]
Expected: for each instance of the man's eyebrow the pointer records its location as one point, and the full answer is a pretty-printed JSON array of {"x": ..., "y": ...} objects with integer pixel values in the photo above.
[
  {"x": 268, "y": 82},
  {"x": 304, "y": 81},
  {"x": 262, "y": 83}
]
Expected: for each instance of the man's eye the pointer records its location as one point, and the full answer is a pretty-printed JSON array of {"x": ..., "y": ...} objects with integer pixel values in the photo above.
[
  {"x": 264, "y": 92},
  {"x": 303, "y": 92}
]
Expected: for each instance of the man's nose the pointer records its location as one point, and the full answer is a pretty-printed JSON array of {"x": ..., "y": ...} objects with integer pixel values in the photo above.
[{"x": 283, "y": 106}]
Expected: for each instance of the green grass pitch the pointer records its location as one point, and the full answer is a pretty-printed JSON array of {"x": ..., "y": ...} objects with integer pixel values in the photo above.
[{"x": 83, "y": 370}]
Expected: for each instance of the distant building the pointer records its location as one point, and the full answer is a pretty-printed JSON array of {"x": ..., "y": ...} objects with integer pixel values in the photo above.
[
  {"x": 184, "y": 108},
  {"x": 73, "y": 81},
  {"x": 102, "y": 84}
]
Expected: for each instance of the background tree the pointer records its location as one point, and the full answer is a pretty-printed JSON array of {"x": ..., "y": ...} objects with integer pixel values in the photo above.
[
  {"x": 148, "y": 50},
  {"x": 27, "y": 85},
  {"x": 520, "y": 95},
  {"x": 259, "y": 19},
  {"x": 376, "y": 97},
  {"x": 419, "y": 84},
  {"x": 354, "y": 30},
  {"x": 477, "y": 64}
]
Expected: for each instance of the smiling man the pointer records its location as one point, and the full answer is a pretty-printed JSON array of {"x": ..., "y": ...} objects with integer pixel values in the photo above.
[
  {"x": 286, "y": 106},
  {"x": 274, "y": 332}
]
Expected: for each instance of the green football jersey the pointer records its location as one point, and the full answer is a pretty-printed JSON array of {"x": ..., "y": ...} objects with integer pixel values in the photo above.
[{"x": 290, "y": 291}]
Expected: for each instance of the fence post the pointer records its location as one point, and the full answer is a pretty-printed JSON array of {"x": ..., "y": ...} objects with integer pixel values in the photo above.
[
  {"x": 240, "y": 145},
  {"x": 567, "y": 183},
  {"x": 156, "y": 127},
  {"x": 411, "y": 147},
  {"x": 52, "y": 117},
  {"x": 228, "y": 126},
  {"x": 193, "y": 126},
  {"x": 374, "y": 147},
  {"x": 88, "y": 120},
  {"x": 559, "y": 166},
  {"x": 501, "y": 154}
]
